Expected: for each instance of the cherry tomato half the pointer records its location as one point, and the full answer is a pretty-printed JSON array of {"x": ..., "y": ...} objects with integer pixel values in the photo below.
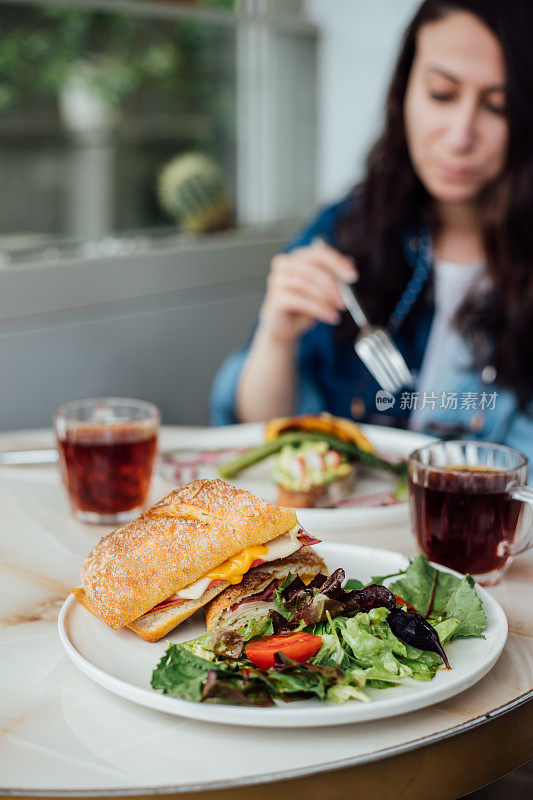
[
  {"x": 401, "y": 602},
  {"x": 298, "y": 646}
]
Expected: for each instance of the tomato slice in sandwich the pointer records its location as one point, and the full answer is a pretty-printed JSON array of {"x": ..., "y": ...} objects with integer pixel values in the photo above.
[{"x": 298, "y": 646}]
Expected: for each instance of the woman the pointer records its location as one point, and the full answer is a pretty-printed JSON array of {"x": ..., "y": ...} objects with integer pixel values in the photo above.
[{"x": 441, "y": 233}]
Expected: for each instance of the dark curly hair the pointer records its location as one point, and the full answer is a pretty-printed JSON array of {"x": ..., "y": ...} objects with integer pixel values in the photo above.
[{"x": 499, "y": 324}]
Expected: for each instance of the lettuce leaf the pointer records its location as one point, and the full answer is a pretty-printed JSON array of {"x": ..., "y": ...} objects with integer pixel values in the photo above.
[
  {"x": 441, "y": 596},
  {"x": 281, "y": 605},
  {"x": 181, "y": 674},
  {"x": 422, "y": 664},
  {"x": 446, "y": 629},
  {"x": 257, "y": 628},
  {"x": 465, "y": 606},
  {"x": 200, "y": 647},
  {"x": 331, "y": 653},
  {"x": 342, "y": 692},
  {"x": 352, "y": 583},
  {"x": 299, "y": 680},
  {"x": 380, "y": 676},
  {"x": 416, "y": 586}
]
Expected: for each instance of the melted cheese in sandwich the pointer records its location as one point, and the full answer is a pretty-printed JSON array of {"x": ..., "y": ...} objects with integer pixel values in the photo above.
[{"x": 234, "y": 569}]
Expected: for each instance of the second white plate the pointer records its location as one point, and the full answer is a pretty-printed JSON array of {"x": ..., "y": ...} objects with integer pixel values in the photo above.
[
  {"x": 196, "y": 457},
  {"x": 123, "y": 663}
]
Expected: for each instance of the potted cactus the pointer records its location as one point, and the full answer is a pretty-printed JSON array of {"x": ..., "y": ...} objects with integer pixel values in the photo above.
[{"x": 191, "y": 190}]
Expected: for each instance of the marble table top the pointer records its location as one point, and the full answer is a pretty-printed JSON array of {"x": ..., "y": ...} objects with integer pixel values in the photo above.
[{"x": 62, "y": 734}]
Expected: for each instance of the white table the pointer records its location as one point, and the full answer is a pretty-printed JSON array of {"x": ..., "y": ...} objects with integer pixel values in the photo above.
[{"x": 62, "y": 735}]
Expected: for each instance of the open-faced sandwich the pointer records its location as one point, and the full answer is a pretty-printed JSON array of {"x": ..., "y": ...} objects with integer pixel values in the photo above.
[
  {"x": 154, "y": 572},
  {"x": 316, "y": 459}
]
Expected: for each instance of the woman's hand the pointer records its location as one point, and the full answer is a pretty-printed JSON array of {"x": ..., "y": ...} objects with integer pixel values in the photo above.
[{"x": 302, "y": 289}]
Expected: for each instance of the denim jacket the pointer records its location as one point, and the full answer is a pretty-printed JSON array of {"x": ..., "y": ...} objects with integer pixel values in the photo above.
[{"x": 331, "y": 377}]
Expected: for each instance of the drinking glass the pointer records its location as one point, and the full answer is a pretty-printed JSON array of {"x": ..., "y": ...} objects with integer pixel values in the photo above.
[
  {"x": 107, "y": 448},
  {"x": 470, "y": 508}
]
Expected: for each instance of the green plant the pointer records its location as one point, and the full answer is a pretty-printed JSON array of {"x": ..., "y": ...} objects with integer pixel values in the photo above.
[{"x": 41, "y": 48}]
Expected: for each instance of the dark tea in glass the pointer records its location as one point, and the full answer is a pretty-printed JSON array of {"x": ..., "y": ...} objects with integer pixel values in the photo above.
[
  {"x": 107, "y": 449},
  {"x": 466, "y": 505}
]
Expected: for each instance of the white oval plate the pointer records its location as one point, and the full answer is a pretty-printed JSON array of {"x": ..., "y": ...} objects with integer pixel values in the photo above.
[
  {"x": 191, "y": 445},
  {"x": 123, "y": 663}
]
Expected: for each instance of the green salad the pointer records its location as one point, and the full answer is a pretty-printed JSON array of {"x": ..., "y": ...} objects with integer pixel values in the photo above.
[{"x": 331, "y": 639}]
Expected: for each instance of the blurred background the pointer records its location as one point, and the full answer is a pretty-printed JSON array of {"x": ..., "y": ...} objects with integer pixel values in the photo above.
[{"x": 153, "y": 157}]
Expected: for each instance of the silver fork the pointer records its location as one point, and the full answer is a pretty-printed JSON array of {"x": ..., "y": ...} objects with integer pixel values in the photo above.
[
  {"x": 374, "y": 344},
  {"x": 375, "y": 347}
]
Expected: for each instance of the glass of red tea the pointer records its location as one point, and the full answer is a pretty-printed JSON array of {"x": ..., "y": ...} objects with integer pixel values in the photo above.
[
  {"x": 107, "y": 448},
  {"x": 470, "y": 508}
]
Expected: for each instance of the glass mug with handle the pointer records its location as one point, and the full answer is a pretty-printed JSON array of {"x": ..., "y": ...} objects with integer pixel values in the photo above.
[{"x": 470, "y": 507}]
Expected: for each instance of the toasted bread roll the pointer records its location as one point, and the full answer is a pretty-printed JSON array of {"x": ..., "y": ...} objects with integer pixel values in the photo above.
[
  {"x": 180, "y": 539},
  {"x": 152, "y": 627},
  {"x": 305, "y": 563}
]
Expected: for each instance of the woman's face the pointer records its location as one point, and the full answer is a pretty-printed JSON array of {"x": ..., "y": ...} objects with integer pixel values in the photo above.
[{"x": 454, "y": 108}]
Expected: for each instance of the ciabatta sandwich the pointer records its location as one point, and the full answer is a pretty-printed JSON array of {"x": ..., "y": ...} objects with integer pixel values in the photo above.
[{"x": 154, "y": 572}]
